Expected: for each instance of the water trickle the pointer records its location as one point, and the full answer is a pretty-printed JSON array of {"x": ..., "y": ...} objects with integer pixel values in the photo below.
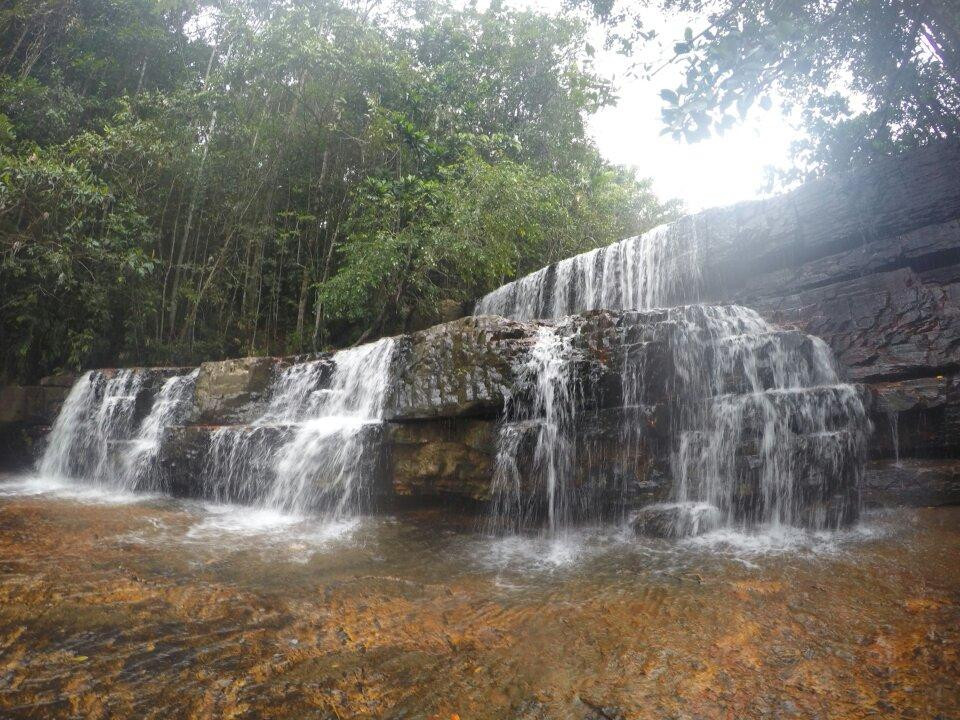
[
  {"x": 312, "y": 449},
  {"x": 893, "y": 419},
  {"x": 544, "y": 420}
]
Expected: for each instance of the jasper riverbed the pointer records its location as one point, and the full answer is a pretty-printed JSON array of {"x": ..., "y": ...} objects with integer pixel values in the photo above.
[{"x": 116, "y": 606}]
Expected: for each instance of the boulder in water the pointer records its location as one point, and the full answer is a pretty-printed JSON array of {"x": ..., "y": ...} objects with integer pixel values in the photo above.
[{"x": 676, "y": 520}]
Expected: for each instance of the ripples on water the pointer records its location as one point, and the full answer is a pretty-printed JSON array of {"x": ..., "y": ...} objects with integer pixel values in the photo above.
[
  {"x": 274, "y": 531},
  {"x": 117, "y": 605}
]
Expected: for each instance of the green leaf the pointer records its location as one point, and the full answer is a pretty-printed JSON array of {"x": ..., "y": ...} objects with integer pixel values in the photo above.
[{"x": 670, "y": 96}]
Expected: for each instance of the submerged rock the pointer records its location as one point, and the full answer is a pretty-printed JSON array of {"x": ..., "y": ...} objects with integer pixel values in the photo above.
[{"x": 676, "y": 520}]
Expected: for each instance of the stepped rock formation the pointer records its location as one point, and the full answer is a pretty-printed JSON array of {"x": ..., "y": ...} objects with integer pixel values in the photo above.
[
  {"x": 869, "y": 261},
  {"x": 700, "y": 415},
  {"x": 548, "y": 423}
]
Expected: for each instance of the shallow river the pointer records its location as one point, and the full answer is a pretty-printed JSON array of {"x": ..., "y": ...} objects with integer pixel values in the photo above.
[{"x": 114, "y": 607}]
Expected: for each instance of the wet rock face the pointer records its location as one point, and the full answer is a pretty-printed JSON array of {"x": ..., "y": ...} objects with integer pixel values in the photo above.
[
  {"x": 879, "y": 281},
  {"x": 442, "y": 458},
  {"x": 899, "y": 332},
  {"x": 187, "y": 467},
  {"x": 675, "y": 520},
  {"x": 31, "y": 404},
  {"x": 230, "y": 391},
  {"x": 912, "y": 482},
  {"x": 796, "y": 232},
  {"x": 463, "y": 368}
]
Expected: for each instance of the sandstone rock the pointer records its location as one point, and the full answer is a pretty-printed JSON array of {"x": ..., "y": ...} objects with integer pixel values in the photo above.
[
  {"x": 892, "y": 197},
  {"x": 20, "y": 445},
  {"x": 61, "y": 380},
  {"x": 919, "y": 394},
  {"x": 881, "y": 326},
  {"x": 934, "y": 246},
  {"x": 446, "y": 310},
  {"x": 918, "y": 417},
  {"x": 442, "y": 458},
  {"x": 463, "y": 368},
  {"x": 230, "y": 391},
  {"x": 912, "y": 482},
  {"x": 30, "y": 404}
]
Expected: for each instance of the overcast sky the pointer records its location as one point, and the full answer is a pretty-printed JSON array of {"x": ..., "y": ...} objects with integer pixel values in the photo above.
[{"x": 718, "y": 171}]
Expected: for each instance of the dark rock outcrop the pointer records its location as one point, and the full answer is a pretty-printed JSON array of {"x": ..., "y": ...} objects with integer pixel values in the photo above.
[
  {"x": 442, "y": 458},
  {"x": 230, "y": 391},
  {"x": 913, "y": 482},
  {"x": 463, "y": 368},
  {"x": 26, "y": 413},
  {"x": 31, "y": 404},
  {"x": 675, "y": 520}
]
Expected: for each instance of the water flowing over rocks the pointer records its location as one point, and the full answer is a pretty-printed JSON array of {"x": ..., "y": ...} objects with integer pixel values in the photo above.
[
  {"x": 869, "y": 261},
  {"x": 593, "y": 388}
]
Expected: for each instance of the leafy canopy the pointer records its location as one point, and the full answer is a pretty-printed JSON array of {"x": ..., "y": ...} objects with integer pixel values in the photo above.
[
  {"x": 182, "y": 180},
  {"x": 868, "y": 77}
]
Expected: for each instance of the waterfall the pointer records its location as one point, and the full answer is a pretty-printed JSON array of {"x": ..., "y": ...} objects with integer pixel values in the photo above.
[
  {"x": 101, "y": 434},
  {"x": 765, "y": 426},
  {"x": 657, "y": 269},
  {"x": 99, "y": 411},
  {"x": 548, "y": 416},
  {"x": 171, "y": 404},
  {"x": 763, "y": 429},
  {"x": 311, "y": 449}
]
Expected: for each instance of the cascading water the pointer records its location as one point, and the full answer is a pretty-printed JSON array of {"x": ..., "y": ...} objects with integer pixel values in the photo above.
[
  {"x": 99, "y": 411},
  {"x": 171, "y": 404},
  {"x": 548, "y": 416},
  {"x": 100, "y": 437},
  {"x": 310, "y": 450},
  {"x": 753, "y": 410},
  {"x": 765, "y": 427},
  {"x": 657, "y": 269}
]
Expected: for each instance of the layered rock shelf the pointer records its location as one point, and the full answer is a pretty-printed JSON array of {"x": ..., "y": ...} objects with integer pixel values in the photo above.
[{"x": 867, "y": 261}]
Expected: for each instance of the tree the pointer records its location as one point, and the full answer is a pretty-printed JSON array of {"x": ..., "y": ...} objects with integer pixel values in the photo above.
[
  {"x": 196, "y": 180},
  {"x": 868, "y": 77}
]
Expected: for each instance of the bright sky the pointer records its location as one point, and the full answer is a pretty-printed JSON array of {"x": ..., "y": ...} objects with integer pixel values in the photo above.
[{"x": 717, "y": 171}]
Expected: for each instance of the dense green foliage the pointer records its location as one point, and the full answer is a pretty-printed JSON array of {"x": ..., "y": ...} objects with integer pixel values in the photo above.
[
  {"x": 182, "y": 179},
  {"x": 868, "y": 77}
]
